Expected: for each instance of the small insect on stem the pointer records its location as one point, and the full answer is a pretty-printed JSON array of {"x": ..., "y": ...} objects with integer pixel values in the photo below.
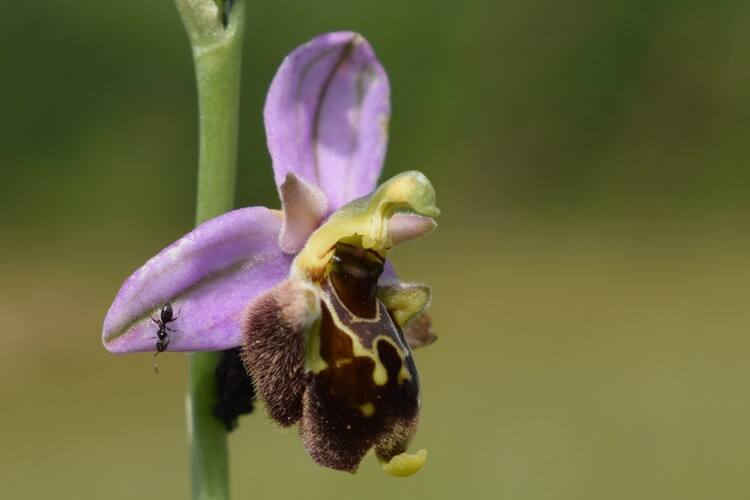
[
  {"x": 225, "y": 12},
  {"x": 167, "y": 316}
]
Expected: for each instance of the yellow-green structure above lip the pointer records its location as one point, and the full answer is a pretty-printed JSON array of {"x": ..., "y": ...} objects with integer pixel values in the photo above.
[{"x": 366, "y": 220}]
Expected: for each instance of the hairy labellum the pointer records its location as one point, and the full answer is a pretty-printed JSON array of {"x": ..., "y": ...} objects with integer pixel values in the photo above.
[
  {"x": 364, "y": 390},
  {"x": 342, "y": 367},
  {"x": 329, "y": 347}
]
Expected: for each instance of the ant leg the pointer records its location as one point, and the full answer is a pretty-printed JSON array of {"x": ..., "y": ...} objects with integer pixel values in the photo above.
[
  {"x": 154, "y": 311},
  {"x": 178, "y": 314}
]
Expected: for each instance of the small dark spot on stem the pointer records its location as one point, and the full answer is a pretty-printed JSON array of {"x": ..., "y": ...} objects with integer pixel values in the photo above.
[{"x": 225, "y": 12}]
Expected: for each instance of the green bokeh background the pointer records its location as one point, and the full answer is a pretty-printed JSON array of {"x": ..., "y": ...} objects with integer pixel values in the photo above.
[{"x": 591, "y": 270}]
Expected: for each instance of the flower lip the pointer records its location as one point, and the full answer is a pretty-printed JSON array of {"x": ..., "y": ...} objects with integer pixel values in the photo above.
[{"x": 333, "y": 356}]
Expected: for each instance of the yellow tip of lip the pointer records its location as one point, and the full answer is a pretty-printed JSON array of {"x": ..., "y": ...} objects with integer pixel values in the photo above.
[{"x": 405, "y": 464}]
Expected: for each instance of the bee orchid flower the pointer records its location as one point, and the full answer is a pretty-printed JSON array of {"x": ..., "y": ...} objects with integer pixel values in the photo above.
[{"x": 324, "y": 324}]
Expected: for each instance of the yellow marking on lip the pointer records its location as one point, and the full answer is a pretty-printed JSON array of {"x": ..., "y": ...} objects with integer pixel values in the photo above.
[
  {"x": 403, "y": 374},
  {"x": 380, "y": 374},
  {"x": 367, "y": 409},
  {"x": 313, "y": 360}
]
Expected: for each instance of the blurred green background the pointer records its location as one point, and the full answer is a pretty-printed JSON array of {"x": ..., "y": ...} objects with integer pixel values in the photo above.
[{"x": 591, "y": 270}]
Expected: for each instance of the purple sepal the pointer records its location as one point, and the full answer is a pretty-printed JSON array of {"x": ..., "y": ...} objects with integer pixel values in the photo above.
[
  {"x": 327, "y": 115},
  {"x": 209, "y": 276}
]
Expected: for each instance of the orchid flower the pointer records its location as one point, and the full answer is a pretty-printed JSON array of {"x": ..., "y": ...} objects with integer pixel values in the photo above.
[{"x": 324, "y": 324}]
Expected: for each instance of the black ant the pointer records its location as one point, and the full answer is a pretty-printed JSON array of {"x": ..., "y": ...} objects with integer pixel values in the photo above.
[{"x": 163, "y": 336}]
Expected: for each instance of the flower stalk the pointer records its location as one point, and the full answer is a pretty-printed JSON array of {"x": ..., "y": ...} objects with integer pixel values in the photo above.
[
  {"x": 217, "y": 53},
  {"x": 216, "y": 39}
]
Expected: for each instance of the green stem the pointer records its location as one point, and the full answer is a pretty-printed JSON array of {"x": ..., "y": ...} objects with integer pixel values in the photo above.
[
  {"x": 209, "y": 464},
  {"x": 217, "y": 55}
]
